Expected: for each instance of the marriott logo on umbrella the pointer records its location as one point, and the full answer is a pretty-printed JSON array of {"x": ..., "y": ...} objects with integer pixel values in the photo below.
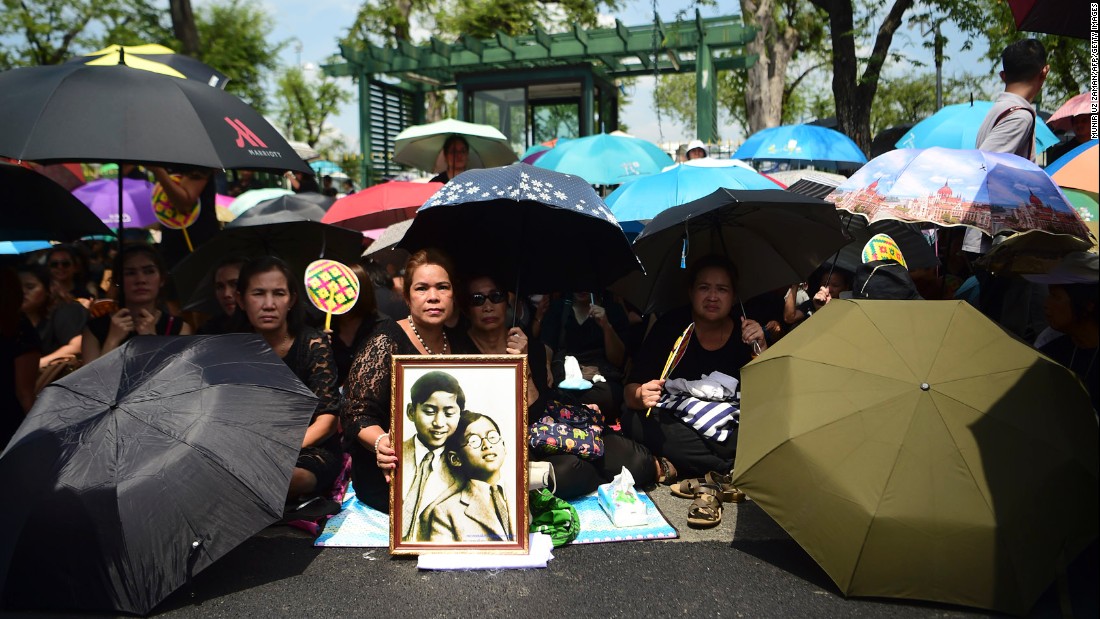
[{"x": 244, "y": 134}]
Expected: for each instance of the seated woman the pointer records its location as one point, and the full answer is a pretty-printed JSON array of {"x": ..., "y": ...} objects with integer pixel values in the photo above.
[
  {"x": 69, "y": 274},
  {"x": 225, "y": 278},
  {"x": 1071, "y": 308},
  {"x": 429, "y": 292},
  {"x": 475, "y": 508},
  {"x": 59, "y": 322},
  {"x": 267, "y": 293},
  {"x": 577, "y": 326},
  {"x": 142, "y": 313},
  {"x": 486, "y": 308},
  {"x": 719, "y": 342}
]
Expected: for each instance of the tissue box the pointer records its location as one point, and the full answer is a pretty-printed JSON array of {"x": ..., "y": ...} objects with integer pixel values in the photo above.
[{"x": 623, "y": 506}]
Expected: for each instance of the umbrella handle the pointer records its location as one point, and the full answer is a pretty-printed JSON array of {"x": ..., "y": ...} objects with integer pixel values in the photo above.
[{"x": 187, "y": 238}]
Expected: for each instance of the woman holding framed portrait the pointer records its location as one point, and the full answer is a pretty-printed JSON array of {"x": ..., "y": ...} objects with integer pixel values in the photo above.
[{"x": 429, "y": 293}]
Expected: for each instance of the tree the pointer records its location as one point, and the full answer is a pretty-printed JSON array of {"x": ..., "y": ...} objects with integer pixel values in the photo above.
[
  {"x": 785, "y": 28},
  {"x": 304, "y": 102},
  {"x": 233, "y": 42},
  {"x": 47, "y": 32},
  {"x": 184, "y": 26}
]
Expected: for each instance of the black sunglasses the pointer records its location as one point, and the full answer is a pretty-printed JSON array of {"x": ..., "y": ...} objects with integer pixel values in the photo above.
[{"x": 477, "y": 299}]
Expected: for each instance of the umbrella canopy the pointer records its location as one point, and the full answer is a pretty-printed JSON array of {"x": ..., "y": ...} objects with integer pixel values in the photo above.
[
  {"x": 155, "y": 58},
  {"x": 1062, "y": 118},
  {"x": 384, "y": 248},
  {"x": 1031, "y": 252},
  {"x": 910, "y": 462},
  {"x": 296, "y": 241},
  {"x": 1065, "y": 17},
  {"x": 645, "y": 196},
  {"x": 815, "y": 184},
  {"x": 956, "y": 126},
  {"x": 421, "y": 146},
  {"x": 144, "y": 467},
  {"x": 811, "y": 143},
  {"x": 605, "y": 159},
  {"x": 775, "y": 238},
  {"x": 75, "y": 112},
  {"x": 304, "y": 150},
  {"x": 101, "y": 196},
  {"x": 324, "y": 167},
  {"x": 36, "y": 208},
  {"x": 240, "y": 205},
  {"x": 12, "y": 248},
  {"x": 988, "y": 191},
  {"x": 306, "y": 206},
  {"x": 502, "y": 219},
  {"x": 380, "y": 205},
  {"x": 1077, "y": 168}
]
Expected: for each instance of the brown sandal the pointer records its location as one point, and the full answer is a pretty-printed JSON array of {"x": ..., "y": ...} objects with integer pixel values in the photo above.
[
  {"x": 668, "y": 472},
  {"x": 706, "y": 510},
  {"x": 687, "y": 488},
  {"x": 726, "y": 490}
]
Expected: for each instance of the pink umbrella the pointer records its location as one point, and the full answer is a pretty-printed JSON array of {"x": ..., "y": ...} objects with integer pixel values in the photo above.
[
  {"x": 1063, "y": 118},
  {"x": 101, "y": 196}
]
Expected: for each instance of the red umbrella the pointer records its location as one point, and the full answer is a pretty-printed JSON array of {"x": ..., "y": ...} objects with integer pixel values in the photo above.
[
  {"x": 380, "y": 205},
  {"x": 1065, "y": 17}
]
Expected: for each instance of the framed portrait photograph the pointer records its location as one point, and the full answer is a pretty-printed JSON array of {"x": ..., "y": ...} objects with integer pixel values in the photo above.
[{"x": 459, "y": 426}]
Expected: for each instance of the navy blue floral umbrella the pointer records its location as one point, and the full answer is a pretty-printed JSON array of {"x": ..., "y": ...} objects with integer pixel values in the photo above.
[{"x": 548, "y": 231}]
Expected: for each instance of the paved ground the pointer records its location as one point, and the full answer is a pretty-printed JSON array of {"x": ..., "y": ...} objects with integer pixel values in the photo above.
[{"x": 747, "y": 567}]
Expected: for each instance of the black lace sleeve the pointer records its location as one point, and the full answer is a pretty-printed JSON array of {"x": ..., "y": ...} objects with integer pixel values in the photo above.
[
  {"x": 321, "y": 367},
  {"x": 368, "y": 386}
]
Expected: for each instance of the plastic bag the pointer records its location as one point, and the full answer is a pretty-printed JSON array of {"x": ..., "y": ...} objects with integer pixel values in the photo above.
[
  {"x": 621, "y": 501},
  {"x": 554, "y": 517}
]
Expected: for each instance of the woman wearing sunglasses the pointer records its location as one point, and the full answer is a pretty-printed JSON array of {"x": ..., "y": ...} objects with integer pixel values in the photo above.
[{"x": 487, "y": 309}]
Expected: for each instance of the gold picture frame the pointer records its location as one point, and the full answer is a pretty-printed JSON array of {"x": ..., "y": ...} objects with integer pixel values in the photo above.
[{"x": 453, "y": 495}]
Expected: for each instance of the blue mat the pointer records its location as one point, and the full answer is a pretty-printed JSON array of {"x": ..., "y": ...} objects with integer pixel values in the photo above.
[{"x": 358, "y": 526}]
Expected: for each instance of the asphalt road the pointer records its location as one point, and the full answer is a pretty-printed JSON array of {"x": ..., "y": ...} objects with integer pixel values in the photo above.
[{"x": 747, "y": 567}]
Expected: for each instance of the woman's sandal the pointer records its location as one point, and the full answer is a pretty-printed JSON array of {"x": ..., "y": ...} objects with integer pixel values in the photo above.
[
  {"x": 687, "y": 488},
  {"x": 726, "y": 490},
  {"x": 706, "y": 510}
]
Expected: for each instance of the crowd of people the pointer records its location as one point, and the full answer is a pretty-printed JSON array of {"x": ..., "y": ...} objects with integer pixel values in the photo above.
[{"x": 81, "y": 302}]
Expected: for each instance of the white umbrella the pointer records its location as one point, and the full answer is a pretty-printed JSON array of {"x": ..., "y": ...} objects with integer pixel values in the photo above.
[
  {"x": 304, "y": 150},
  {"x": 422, "y": 146}
]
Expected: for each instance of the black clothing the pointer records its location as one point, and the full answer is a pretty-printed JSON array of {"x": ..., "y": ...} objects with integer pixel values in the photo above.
[{"x": 1083, "y": 362}]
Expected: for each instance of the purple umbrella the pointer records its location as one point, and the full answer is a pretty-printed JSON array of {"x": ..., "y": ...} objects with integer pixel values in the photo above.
[{"x": 101, "y": 196}]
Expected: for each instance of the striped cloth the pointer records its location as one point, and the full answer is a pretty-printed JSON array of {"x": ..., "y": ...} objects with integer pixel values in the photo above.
[{"x": 714, "y": 420}]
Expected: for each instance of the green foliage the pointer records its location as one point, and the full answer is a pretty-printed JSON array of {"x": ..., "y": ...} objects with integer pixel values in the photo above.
[
  {"x": 303, "y": 104},
  {"x": 43, "y": 32},
  {"x": 232, "y": 37}
]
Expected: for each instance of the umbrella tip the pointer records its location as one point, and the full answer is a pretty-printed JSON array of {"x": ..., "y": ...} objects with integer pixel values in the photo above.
[{"x": 121, "y": 55}]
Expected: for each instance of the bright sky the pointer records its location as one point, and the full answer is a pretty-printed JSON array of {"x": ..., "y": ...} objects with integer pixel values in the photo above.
[{"x": 313, "y": 29}]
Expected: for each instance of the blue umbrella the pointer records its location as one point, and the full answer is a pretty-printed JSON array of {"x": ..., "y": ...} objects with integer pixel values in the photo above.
[
  {"x": 646, "y": 196},
  {"x": 956, "y": 126},
  {"x": 809, "y": 143},
  {"x": 323, "y": 167},
  {"x": 550, "y": 231},
  {"x": 605, "y": 159},
  {"x": 951, "y": 187},
  {"x": 11, "y": 248}
]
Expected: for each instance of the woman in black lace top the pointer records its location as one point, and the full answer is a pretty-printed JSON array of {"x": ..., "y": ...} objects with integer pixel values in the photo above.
[
  {"x": 429, "y": 292},
  {"x": 268, "y": 294}
]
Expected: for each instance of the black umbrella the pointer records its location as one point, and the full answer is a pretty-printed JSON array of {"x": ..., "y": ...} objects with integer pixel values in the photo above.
[
  {"x": 76, "y": 112},
  {"x": 37, "y": 209},
  {"x": 144, "y": 467},
  {"x": 296, "y": 241},
  {"x": 910, "y": 240},
  {"x": 774, "y": 237},
  {"x": 149, "y": 56},
  {"x": 306, "y": 206},
  {"x": 550, "y": 229}
]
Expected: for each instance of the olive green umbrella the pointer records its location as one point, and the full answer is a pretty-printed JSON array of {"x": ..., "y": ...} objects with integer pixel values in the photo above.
[{"x": 916, "y": 450}]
